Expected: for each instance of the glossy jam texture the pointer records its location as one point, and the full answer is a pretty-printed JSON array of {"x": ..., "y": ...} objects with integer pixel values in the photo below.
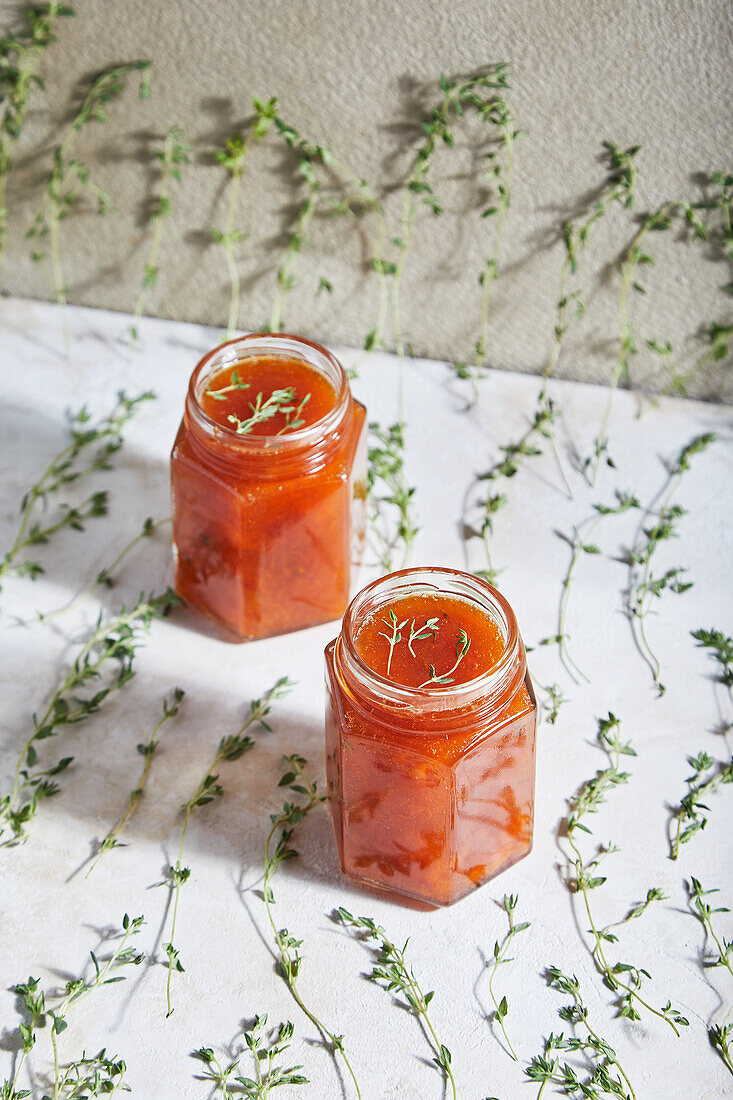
[
  {"x": 429, "y": 807},
  {"x": 265, "y": 534},
  {"x": 260, "y": 375},
  {"x": 432, "y": 632}
]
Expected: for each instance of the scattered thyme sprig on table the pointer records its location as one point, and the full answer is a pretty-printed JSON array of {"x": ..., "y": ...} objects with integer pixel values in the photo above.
[
  {"x": 279, "y": 849},
  {"x": 147, "y": 751},
  {"x": 105, "y": 578},
  {"x": 114, "y": 640},
  {"x": 392, "y": 973},
  {"x": 500, "y": 957},
  {"x": 644, "y": 586},
  {"x": 462, "y": 647},
  {"x": 389, "y": 496},
  {"x": 20, "y": 57},
  {"x": 87, "y": 1076},
  {"x": 580, "y": 543},
  {"x": 279, "y": 401},
  {"x": 233, "y": 157},
  {"x": 174, "y": 154},
  {"x": 623, "y": 979},
  {"x": 66, "y": 468},
  {"x": 690, "y": 816},
  {"x": 634, "y": 257},
  {"x": 265, "y": 1049},
  {"x": 719, "y": 953},
  {"x": 507, "y": 467},
  {"x": 605, "y": 1075},
  {"x": 70, "y": 178},
  {"x": 231, "y": 747},
  {"x": 720, "y": 648}
]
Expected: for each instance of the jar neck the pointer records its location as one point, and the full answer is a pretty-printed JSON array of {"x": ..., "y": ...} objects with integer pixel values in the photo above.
[
  {"x": 475, "y": 700},
  {"x": 305, "y": 450}
]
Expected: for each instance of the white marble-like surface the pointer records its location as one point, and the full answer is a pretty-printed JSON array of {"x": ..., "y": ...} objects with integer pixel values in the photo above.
[{"x": 50, "y": 915}]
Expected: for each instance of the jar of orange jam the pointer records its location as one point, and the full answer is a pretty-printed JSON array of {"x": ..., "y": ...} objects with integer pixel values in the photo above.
[
  {"x": 430, "y": 735},
  {"x": 268, "y": 476}
]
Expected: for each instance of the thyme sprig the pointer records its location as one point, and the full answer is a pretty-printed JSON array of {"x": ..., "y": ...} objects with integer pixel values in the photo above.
[
  {"x": 623, "y": 979},
  {"x": 175, "y": 153},
  {"x": 394, "y": 636},
  {"x": 720, "y": 648},
  {"x": 235, "y": 383},
  {"x": 462, "y": 647},
  {"x": 389, "y": 496},
  {"x": 70, "y": 178},
  {"x": 279, "y": 401},
  {"x": 112, "y": 641},
  {"x": 635, "y": 257},
  {"x": 265, "y": 1049},
  {"x": 580, "y": 542},
  {"x": 605, "y": 1074},
  {"x": 720, "y": 953},
  {"x": 66, "y": 468},
  {"x": 105, "y": 578},
  {"x": 391, "y": 972},
  {"x": 20, "y": 57},
  {"x": 421, "y": 633},
  {"x": 645, "y": 587},
  {"x": 514, "y": 454},
  {"x": 691, "y": 815},
  {"x": 74, "y": 1080},
  {"x": 209, "y": 789},
  {"x": 147, "y": 751},
  {"x": 500, "y": 958},
  {"x": 279, "y": 849},
  {"x": 233, "y": 157}
]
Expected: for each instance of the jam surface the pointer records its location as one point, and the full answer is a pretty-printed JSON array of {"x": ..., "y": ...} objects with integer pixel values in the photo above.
[
  {"x": 255, "y": 378},
  {"x": 430, "y": 641}
]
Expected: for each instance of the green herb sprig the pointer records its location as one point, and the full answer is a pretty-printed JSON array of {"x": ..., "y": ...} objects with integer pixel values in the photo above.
[
  {"x": 389, "y": 496},
  {"x": 70, "y": 178},
  {"x": 265, "y": 1049},
  {"x": 580, "y": 543},
  {"x": 209, "y": 789},
  {"x": 147, "y": 751},
  {"x": 720, "y": 648},
  {"x": 604, "y": 1074},
  {"x": 279, "y": 849},
  {"x": 113, "y": 641},
  {"x": 100, "y": 1074},
  {"x": 623, "y": 979},
  {"x": 280, "y": 401},
  {"x": 391, "y": 972},
  {"x": 232, "y": 158},
  {"x": 20, "y": 57},
  {"x": 500, "y": 958},
  {"x": 720, "y": 954},
  {"x": 691, "y": 815},
  {"x": 67, "y": 468},
  {"x": 105, "y": 578},
  {"x": 644, "y": 586},
  {"x": 462, "y": 647},
  {"x": 175, "y": 153}
]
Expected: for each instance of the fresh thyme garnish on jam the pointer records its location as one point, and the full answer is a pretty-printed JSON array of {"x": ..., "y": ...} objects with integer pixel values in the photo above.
[
  {"x": 268, "y": 395},
  {"x": 423, "y": 640}
]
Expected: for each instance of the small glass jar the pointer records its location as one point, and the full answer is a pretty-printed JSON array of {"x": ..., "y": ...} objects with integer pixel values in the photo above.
[
  {"x": 268, "y": 528},
  {"x": 431, "y": 790}
]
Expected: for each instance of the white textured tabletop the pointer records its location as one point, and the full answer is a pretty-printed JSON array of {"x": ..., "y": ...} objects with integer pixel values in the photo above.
[{"x": 51, "y": 914}]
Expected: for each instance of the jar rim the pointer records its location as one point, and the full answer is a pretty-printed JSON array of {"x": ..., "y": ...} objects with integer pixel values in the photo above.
[
  {"x": 432, "y": 580},
  {"x": 272, "y": 343}
]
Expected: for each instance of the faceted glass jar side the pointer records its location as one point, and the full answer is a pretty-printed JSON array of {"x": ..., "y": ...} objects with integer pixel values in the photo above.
[
  {"x": 429, "y": 803},
  {"x": 268, "y": 530}
]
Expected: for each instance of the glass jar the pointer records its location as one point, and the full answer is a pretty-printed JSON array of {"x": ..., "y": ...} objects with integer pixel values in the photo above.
[
  {"x": 431, "y": 790},
  {"x": 268, "y": 528}
]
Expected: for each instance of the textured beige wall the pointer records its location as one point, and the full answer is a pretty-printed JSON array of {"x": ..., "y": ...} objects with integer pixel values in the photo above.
[{"x": 357, "y": 75}]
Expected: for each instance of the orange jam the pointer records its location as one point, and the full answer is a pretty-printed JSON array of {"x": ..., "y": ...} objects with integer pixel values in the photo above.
[
  {"x": 268, "y": 476},
  {"x": 430, "y": 736}
]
